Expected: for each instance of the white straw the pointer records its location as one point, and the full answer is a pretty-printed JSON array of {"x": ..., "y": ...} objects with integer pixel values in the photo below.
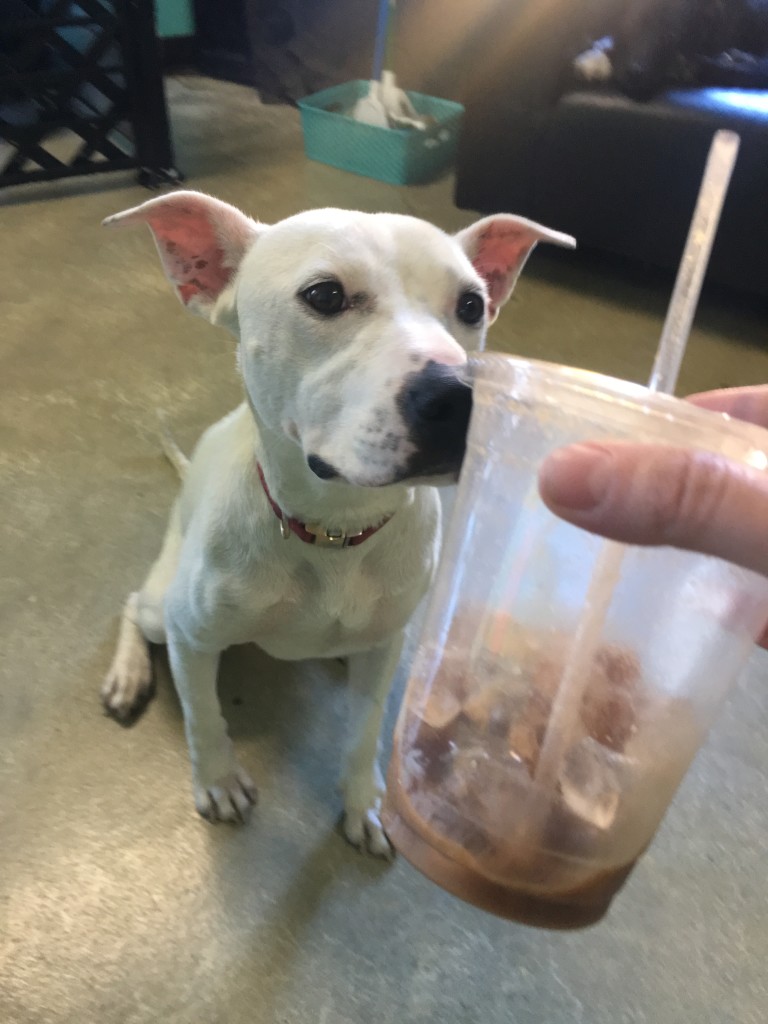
[
  {"x": 690, "y": 276},
  {"x": 677, "y": 326}
]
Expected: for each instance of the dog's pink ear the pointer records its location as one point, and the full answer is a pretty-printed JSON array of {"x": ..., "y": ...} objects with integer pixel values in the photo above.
[
  {"x": 201, "y": 242},
  {"x": 498, "y": 247}
]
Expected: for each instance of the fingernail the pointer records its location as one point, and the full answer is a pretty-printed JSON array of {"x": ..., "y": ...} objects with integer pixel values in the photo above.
[{"x": 576, "y": 477}]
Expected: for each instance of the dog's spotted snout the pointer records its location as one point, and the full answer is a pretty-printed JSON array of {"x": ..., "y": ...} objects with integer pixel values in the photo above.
[{"x": 435, "y": 404}]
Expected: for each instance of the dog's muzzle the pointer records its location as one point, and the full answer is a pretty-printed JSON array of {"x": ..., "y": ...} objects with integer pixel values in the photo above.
[{"x": 436, "y": 403}]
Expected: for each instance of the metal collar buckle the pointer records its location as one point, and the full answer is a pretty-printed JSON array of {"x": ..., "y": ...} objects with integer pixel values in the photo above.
[{"x": 325, "y": 538}]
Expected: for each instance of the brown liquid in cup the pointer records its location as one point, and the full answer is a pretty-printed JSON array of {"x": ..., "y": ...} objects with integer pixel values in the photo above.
[
  {"x": 542, "y": 861},
  {"x": 558, "y": 909}
]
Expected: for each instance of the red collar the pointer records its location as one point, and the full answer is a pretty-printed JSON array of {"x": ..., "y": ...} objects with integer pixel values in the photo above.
[{"x": 316, "y": 534}]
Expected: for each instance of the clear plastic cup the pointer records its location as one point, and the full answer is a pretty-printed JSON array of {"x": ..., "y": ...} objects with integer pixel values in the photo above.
[{"x": 531, "y": 768}]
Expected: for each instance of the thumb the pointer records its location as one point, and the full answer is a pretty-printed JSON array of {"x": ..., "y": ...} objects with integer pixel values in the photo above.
[{"x": 660, "y": 495}]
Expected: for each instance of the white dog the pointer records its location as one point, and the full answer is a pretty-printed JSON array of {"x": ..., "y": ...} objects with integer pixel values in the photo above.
[{"x": 304, "y": 523}]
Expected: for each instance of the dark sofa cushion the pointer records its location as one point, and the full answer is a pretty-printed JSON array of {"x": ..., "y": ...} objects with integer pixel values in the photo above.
[{"x": 623, "y": 177}]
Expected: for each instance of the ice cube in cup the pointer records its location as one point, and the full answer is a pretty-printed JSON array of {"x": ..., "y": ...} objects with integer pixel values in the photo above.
[{"x": 591, "y": 781}]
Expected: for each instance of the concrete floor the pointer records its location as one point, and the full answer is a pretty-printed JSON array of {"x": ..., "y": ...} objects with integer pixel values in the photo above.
[{"x": 117, "y": 904}]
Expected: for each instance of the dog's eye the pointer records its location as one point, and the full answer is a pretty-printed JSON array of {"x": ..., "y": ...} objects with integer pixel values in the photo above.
[
  {"x": 470, "y": 308},
  {"x": 325, "y": 297}
]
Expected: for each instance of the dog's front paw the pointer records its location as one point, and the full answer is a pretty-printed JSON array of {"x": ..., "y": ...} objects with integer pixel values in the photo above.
[
  {"x": 227, "y": 798},
  {"x": 364, "y": 830},
  {"x": 128, "y": 686}
]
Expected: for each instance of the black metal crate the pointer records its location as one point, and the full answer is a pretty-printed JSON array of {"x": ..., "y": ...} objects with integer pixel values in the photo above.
[{"x": 81, "y": 91}]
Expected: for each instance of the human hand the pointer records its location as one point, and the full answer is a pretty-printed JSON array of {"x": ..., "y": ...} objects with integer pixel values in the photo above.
[{"x": 654, "y": 494}]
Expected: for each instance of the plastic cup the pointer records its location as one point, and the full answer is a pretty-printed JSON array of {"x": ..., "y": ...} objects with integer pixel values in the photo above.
[{"x": 531, "y": 767}]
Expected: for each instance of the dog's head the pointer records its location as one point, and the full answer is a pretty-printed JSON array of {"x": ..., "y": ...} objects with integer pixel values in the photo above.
[{"x": 354, "y": 328}]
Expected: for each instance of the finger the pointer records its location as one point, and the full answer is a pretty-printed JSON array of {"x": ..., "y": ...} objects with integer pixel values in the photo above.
[
  {"x": 750, "y": 404},
  {"x": 654, "y": 494}
]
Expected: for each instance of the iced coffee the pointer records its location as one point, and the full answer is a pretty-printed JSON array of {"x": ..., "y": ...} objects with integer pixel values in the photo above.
[{"x": 561, "y": 686}]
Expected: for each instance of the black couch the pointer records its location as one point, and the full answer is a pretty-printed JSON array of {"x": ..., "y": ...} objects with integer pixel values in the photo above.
[{"x": 621, "y": 176}]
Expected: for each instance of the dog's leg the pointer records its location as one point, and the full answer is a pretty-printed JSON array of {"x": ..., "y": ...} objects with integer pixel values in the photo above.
[
  {"x": 128, "y": 685},
  {"x": 370, "y": 680},
  {"x": 223, "y": 791}
]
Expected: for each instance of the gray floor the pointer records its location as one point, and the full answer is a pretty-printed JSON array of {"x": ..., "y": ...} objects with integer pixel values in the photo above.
[{"x": 117, "y": 904}]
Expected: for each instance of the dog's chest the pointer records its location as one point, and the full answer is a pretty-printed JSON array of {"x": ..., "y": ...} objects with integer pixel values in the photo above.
[{"x": 329, "y": 604}]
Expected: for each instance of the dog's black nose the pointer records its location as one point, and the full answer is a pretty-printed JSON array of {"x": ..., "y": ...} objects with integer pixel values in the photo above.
[{"x": 435, "y": 404}]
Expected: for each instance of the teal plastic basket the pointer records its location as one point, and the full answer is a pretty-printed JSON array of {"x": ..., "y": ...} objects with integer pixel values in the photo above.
[{"x": 398, "y": 156}]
